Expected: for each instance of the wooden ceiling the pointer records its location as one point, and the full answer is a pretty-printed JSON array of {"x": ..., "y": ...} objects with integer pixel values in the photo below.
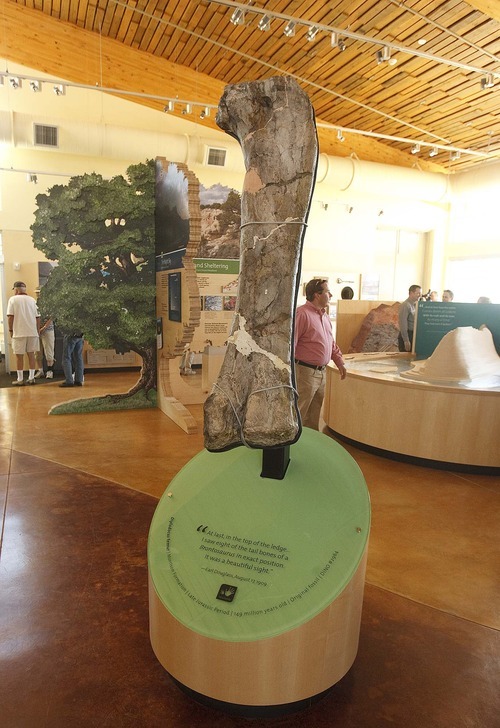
[{"x": 189, "y": 49}]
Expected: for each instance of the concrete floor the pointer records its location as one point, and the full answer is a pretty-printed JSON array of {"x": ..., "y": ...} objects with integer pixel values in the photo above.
[{"x": 77, "y": 495}]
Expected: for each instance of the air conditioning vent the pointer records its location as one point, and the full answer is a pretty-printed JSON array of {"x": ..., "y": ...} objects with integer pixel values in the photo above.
[
  {"x": 46, "y": 136},
  {"x": 216, "y": 157}
]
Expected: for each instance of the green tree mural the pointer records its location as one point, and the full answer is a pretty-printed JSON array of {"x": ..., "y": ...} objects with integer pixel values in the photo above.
[
  {"x": 231, "y": 211},
  {"x": 102, "y": 233}
]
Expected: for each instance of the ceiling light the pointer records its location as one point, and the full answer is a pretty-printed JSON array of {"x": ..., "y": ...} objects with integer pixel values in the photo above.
[
  {"x": 487, "y": 82},
  {"x": 454, "y": 156},
  {"x": 264, "y": 23},
  {"x": 340, "y": 136},
  {"x": 15, "y": 82},
  {"x": 433, "y": 152},
  {"x": 187, "y": 109},
  {"x": 238, "y": 17},
  {"x": 32, "y": 178},
  {"x": 59, "y": 89},
  {"x": 312, "y": 33},
  {"x": 421, "y": 41},
  {"x": 384, "y": 54},
  {"x": 205, "y": 112},
  {"x": 289, "y": 29},
  {"x": 170, "y": 106},
  {"x": 35, "y": 86},
  {"x": 415, "y": 148},
  {"x": 336, "y": 41}
]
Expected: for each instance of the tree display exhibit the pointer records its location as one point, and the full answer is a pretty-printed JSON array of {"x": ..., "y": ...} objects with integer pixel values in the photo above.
[{"x": 102, "y": 234}]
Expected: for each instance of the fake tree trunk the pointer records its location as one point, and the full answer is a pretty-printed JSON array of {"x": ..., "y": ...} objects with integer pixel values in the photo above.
[
  {"x": 147, "y": 379},
  {"x": 253, "y": 401}
]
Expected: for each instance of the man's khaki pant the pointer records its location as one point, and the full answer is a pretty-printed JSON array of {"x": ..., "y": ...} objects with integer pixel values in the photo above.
[{"x": 311, "y": 389}]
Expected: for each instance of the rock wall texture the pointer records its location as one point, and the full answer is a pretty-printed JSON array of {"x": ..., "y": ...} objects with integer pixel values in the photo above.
[{"x": 379, "y": 330}]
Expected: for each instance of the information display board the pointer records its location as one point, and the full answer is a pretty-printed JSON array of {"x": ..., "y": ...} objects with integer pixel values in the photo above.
[
  {"x": 435, "y": 319},
  {"x": 238, "y": 557}
]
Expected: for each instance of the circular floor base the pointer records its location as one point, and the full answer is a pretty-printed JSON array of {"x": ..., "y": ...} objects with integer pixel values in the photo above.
[
  {"x": 252, "y": 711},
  {"x": 256, "y": 584}
]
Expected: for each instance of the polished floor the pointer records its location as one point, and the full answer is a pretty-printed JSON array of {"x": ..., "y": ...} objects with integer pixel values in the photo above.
[{"x": 77, "y": 495}]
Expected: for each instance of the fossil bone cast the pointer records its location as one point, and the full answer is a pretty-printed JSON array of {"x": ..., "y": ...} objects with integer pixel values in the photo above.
[{"x": 253, "y": 400}]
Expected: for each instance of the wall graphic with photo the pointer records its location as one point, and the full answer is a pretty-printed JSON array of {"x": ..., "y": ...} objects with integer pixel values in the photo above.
[
  {"x": 177, "y": 295},
  {"x": 177, "y": 242},
  {"x": 220, "y": 222},
  {"x": 197, "y": 264},
  {"x": 101, "y": 233},
  {"x": 172, "y": 213},
  {"x": 217, "y": 266}
]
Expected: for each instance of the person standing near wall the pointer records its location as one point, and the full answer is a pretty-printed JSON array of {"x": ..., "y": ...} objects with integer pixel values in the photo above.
[
  {"x": 314, "y": 347},
  {"x": 347, "y": 294},
  {"x": 47, "y": 340},
  {"x": 72, "y": 352},
  {"x": 24, "y": 322},
  {"x": 407, "y": 318},
  {"x": 447, "y": 296}
]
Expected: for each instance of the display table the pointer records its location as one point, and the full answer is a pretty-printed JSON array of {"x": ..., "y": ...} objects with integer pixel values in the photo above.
[
  {"x": 375, "y": 406},
  {"x": 256, "y": 585}
]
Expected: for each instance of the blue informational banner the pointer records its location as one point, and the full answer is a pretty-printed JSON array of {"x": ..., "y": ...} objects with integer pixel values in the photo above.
[{"x": 435, "y": 319}]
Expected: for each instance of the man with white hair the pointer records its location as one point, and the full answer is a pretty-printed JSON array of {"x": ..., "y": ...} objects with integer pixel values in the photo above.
[{"x": 24, "y": 324}]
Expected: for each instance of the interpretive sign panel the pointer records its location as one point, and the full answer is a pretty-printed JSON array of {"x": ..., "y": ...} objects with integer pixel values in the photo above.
[
  {"x": 217, "y": 280},
  {"x": 435, "y": 319},
  {"x": 238, "y": 557}
]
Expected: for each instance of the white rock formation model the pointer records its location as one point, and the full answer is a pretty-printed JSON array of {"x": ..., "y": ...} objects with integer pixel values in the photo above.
[{"x": 465, "y": 356}]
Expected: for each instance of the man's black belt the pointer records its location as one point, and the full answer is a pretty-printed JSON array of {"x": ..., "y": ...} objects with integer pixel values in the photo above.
[{"x": 311, "y": 366}]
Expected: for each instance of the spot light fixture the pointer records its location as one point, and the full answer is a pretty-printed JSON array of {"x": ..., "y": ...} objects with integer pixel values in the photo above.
[
  {"x": 289, "y": 29},
  {"x": 15, "y": 82},
  {"x": 59, "y": 89},
  {"x": 264, "y": 23},
  {"x": 35, "y": 86},
  {"x": 384, "y": 54},
  {"x": 238, "y": 17},
  {"x": 188, "y": 109},
  {"x": 169, "y": 107},
  {"x": 312, "y": 32},
  {"x": 433, "y": 152},
  {"x": 340, "y": 136},
  {"x": 205, "y": 112},
  {"x": 337, "y": 42},
  {"x": 454, "y": 156},
  {"x": 415, "y": 148},
  {"x": 487, "y": 81}
]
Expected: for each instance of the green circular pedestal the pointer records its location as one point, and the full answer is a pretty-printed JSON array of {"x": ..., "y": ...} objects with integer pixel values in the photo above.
[{"x": 241, "y": 564}]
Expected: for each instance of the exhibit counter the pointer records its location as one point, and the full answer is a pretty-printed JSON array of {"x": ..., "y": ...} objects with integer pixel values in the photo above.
[{"x": 375, "y": 406}]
